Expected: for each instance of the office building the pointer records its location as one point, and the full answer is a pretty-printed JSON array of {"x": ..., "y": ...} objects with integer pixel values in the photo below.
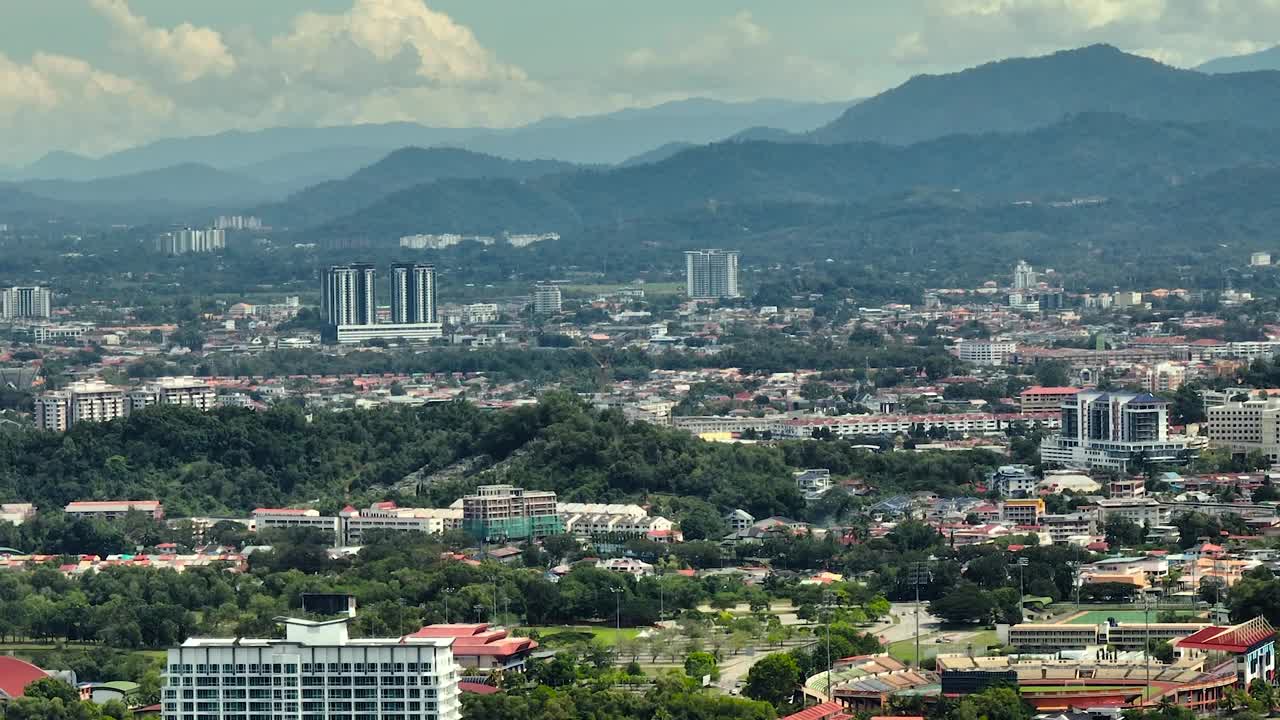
[
  {"x": 1112, "y": 430},
  {"x": 1260, "y": 259},
  {"x": 185, "y": 391},
  {"x": 503, "y": 512},
  {"x": 1040, "y": 399},
  {"x": 316, "y": 672},
  {"x": 711, "y": 274},
  {"x": 413, "y": 293},
  {"x": 89, "y": 401},
  {"x": 348, "y": 295},
  {"x": 1246, "y": 426},
  {"x": 188, "y": 240},
  {"x": 113, "y": 509},
  {"x": 1022, "y": 512},
  {"x": 20, "y": 303},
  {"x": 986, "y": 352},
  {"x": 546, "y": 299},
  {"x": 1024, "y": 276}
]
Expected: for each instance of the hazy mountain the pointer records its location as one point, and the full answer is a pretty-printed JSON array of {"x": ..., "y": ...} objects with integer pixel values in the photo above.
[
  {"x": 1019, "y": 94},
  {"x": 592, "y": 139},
  {"x": 188, "y": 186},
  {"x": 1268, "y": 59},
  {"x": 295, "y": 171},
  {"x": 1084, "y": 155},
  {"x": 657, "y": 154},
  {"x": 401, "y": 169}
]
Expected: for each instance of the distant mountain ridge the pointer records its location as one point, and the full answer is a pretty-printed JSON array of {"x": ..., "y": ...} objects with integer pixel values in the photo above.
[
  {"x": 1085, "y": 154},
  {"x": 593, "y": 139},
  {"x": 1023, "y": 93},
  {"x": 404, "y": 168},
  {"x": 189, "y": 185},
  {"x": 1268, "y": 59}
]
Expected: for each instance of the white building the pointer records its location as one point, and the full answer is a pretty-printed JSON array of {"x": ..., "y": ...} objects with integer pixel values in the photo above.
[
  {"x": 188, "y": 240},
  {"x": 1243, "y": 427},
  {"x": 480, "y": 313},
  {"x": 1111, "y": 430},
  {"x": 1141, "y": 511},
  {"x": 186, "y": 391},
  {"x": 1014, "y": 481},
  {"x": 711, "y": 273},
  {"x": 813, "y": 482},
  {"x": 88, "y": 401},
  {"x": 1024, "y": 276},
  {"x": 986, "y": 352},
  {"x": 237, "y": 222},
  {"x": 18, "y": 303},
  {"x": 317, "y": 672},
  {"x": 1260, "y": 259},
  {"x": 547, "y": 299}
]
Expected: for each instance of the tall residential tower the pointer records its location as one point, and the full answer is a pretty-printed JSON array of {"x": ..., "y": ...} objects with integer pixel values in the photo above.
[
  {"x": 711, "y": 273},
  {"x": 347, "y": 297},
  {"x": 413, "y": 293}
]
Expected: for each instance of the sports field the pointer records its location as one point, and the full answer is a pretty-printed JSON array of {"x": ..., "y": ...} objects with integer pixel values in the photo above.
[
  {"x": 1075, "y": 688},
  {"x": 1098, "y": 617}
]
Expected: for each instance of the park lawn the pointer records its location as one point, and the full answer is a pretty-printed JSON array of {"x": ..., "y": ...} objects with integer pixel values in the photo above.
[
  {"x": 604, "y": 634},
  {"x": 905, "y": 650}
]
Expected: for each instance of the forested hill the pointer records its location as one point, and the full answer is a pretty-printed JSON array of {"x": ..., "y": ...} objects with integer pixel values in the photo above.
[
  {"x": 1086, "y": 154},
  {"x": 1022, "y": 93},
  {"x": 233, "y": 460}
]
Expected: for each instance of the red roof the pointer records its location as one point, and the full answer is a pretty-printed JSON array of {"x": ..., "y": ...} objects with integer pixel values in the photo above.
[
  {"x": 478, "y": 639},
  {"x": 1038, "y": 390},
  {"x": 1234, "y": 639},
  {"x": 16, "y": 675},
  {"x": 823, "y": 711},
  {"x": 477, "y": 688},
  {"x": 282, "y": 511}
]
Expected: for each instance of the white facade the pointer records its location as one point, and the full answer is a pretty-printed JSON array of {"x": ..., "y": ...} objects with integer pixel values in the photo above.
[
  {"x": 1243, "y": 427},
  {"x": 189, "y": 240},
  {"x": 316, "y": 672},
  {"x": 986, "y": 352},
  {"x": 186, "y": 391},
  {"x": 347, "y": 295},
  {"x": 1024, "y": 276},
  {"x": 711, "y": 273},
  {"x": 414, "y": 333},
  {"x": 1111, "y": 430},
  {"x": 25, "y": 302},
  {"x": 547, "y": 299},
  {"x": 90, "y": 401},
  {"x": 1260, "y": 259},
  {"x": 413, "y": 293},
  {"x": 1141, "y": 511}
]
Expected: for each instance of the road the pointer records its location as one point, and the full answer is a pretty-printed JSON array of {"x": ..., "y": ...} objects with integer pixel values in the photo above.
[{"x": 905, "y": 628}]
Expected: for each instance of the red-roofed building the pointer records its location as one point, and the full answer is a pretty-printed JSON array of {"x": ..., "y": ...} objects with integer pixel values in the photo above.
[
  {"x": 1044, "y": 399},
  {"x": 823, "y": 711},
  {"x": 475, "y": 645},
  {"x": 16, "y": 675},
  {"x": 1253, "y": 643}
]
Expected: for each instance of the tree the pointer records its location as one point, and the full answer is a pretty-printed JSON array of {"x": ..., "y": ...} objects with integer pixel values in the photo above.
[
  {"x": 1052, "y": 373},
  {"x": 773, "y": 679},
  {"x": 1123, "y": 532},
  {"x": 700, "y": 664},
  {"x": 813, "y": 390},
  {"x": 966, "y": 603}
]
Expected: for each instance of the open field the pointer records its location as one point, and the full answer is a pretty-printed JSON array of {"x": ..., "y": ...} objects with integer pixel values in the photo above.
[
  {"x": 604, "y": 634},
  {"x": 1098, "y": 617},
  {"x": 905, "y": 650}
]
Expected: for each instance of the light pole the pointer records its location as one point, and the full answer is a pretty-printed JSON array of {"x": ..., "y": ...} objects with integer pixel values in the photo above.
[
  {"x": 1146, "y": 619},
  {"x": 826, "y": 597},
  {"x": 917, "y": 569},
  {"x": 447, "y": 592},
  {"x": 1022, "y": 593},
  {"x": 617, "y": 618}
]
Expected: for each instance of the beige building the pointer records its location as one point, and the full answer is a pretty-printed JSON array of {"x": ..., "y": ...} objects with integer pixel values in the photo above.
[
  {"x": 113, "y": 509},
  {"x": 1243, "y": 427},
  {"x": 90, "y": 401},
  {"x": 186, "y": 391}
]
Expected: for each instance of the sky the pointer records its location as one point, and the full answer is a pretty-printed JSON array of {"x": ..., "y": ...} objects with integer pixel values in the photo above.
[{"x": 95, "y": 76}]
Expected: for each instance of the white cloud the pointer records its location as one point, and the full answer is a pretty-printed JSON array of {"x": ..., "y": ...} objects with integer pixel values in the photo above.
[
  {"x": 737, "y": 57},
  {"x": 1179, "y": 32},
  {"x": 186, "y": 52}
]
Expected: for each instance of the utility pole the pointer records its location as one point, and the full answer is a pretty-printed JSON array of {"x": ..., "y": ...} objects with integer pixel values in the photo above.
[{"x": 1146, "y": 651}]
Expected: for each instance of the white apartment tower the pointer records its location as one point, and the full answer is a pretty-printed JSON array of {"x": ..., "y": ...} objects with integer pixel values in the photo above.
[
  {"x": 711, "y": 273},
  {"x": 25, "y": 302},
  {"x": 347, "y": 296},
  {"x": 413, "y": 293},
  {"x": 547, "y": 299},
  {"x": 1112, "y": 430},
  {"x": 187, "y": 391},
  {"x": 91, "y": 401},
  {"x": 1024, "y": 276},
  {"x": 317, "y": 672}
]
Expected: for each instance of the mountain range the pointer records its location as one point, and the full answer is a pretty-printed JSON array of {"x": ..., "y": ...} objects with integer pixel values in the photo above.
[
  {"x": 1268, "y": 59},
  {"x": 299, "y": 156}
]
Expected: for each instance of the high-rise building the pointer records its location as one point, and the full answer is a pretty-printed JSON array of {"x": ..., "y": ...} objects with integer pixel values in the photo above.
[
  {"x": 186, "y": 391},
  {"x": 316, "y": 672},
  {"x": 347, "y": 297},
  {"x": 90, "y": 401},
  {"x": 237, "y": 222},
  {"x": 1112, "y": 430},
  {"x": 1024, "y": 276},
  {"x": 25, "y": 302},
  {"x": 188, "y": 240},
  {"x": 1246, "y": 426},
  {"x": 711, "y": 273},
  {"x": 547, "y": 299},
  {"x": 497, "y": 513},
  {"x": 413, "y": 293}
]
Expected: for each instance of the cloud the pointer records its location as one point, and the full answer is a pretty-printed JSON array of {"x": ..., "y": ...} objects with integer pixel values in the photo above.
[
  {"x": 1180, "y": 32},
  {"x": 737, "y": 57},
  {"x": 186, "y": 52},
  {"x": 45, "y": 102}
]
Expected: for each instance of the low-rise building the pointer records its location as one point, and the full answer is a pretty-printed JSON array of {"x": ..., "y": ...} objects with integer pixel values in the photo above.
[
  {"x": 1040, "y": 399},
  {"x": 477, "y": 646},
  {"x": 113, "y": 509}
]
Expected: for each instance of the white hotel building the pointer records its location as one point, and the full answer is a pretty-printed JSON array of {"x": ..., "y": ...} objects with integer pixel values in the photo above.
[{"x": 316, "y": 672}]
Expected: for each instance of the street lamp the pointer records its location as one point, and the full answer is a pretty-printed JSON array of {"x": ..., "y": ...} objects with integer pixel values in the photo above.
[
  {"x": 617, "y": 617},
  {"x": 447, "y": 592},
  {"x": 1022, "y": 593}
]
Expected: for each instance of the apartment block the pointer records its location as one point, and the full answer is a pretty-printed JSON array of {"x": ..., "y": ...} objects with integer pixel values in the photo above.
[
  {"x": 1022, "y": 512},
  {"x": 547, "y": 299},
  {"x": 498, "y": 513},
  {"x": 711, "y": 274},
  {"x": 316, "y": 672},
  {"x": 113, "y": 509},
  {"x": 31, "y": 303},
  {"x": 89, "y": 401},
  {"x": 185, "y": 391},
  {"x": 1246, "y": 426},
  {"x": 986, "y": 352}
]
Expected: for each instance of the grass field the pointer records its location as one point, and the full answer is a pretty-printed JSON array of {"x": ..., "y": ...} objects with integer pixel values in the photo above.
[
  {"x": 1075, "y": 688},
  {"x": 905, "y": 650},
  {"x": 1098, "y": 617},
  {"x": 604, "y": 634}
]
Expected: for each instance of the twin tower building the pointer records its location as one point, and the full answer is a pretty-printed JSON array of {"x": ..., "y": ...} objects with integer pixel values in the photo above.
[{"x": 349, "y": 303}]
